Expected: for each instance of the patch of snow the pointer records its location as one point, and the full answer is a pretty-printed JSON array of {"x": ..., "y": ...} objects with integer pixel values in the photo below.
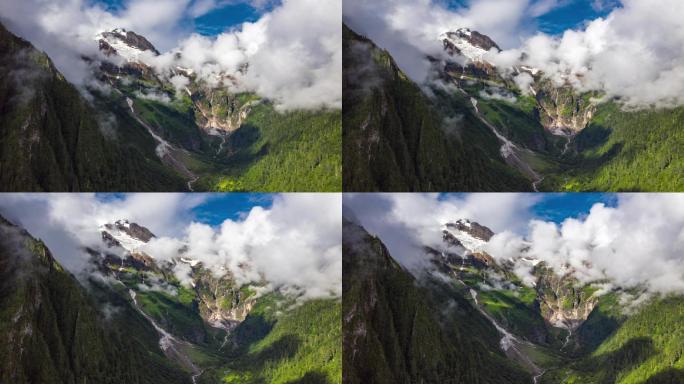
[
  {"x": 189, "y": 71},
  {"x": 470, "y": 243},
  {"x": 465, "y": 222},
  {"x": 467, "y": 50},
  {"x": 127, "y": 242},
  {"x": 464, "y": 31},
  {"x": 123, "y": 223},
  {"x": 192, "y": 262},
  {"x": 128, "y": 53},
  {"x": 532, "y": 70},
  {"x": 531, "y": 261}
]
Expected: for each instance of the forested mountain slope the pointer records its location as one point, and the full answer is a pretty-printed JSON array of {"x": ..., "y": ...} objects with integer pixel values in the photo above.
[
  {"x": 51, "y": 138},
  {"x": 397, "y": 331},
  {"x": 397, "y": 139},
  {"x": 53, "y": 331},
  {"x": 128, "y": 319}
]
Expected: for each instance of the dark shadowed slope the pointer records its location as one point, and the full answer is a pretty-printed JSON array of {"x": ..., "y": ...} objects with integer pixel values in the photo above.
[
  {"x": 397, "y": 139},
  {"x": 396, "y": 331},
  {"x": 50, "y": 137},
  {"x": 53, "y": 331}
]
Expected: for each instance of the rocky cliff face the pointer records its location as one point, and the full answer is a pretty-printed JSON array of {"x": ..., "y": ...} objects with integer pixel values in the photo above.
[
  {"x": 470, "y": 46},
  {"x": 474, "y": 229},
  {"x": 562, "y": 303},
  {"x": 218, "y": 110},
  {"x": 221, "y": 303},
  {"x": 561, "y": 111},
  {"x": 109, "y": 40}
]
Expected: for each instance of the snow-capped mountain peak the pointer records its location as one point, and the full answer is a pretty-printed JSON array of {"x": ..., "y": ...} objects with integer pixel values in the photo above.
[
  {"x": 126, "y": 44},
  {"x": 471, "y": 235},
  {"x": 470, "y": 44},
  {"x": 129, "y": 236},
  {"x": 132, "y": 238}
]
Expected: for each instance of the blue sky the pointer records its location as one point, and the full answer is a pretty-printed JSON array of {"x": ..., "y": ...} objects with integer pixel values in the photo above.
[
  {"x": 215, "y": 207},
  {"x": 571, "y": 14},
  {"x": 220, "y": 207},
  {"x": 231, "y": 14},
  {"x": 557, "y": 207},
  {"x": 554, "y": 207},
  {"x": 221, "y": 19}
]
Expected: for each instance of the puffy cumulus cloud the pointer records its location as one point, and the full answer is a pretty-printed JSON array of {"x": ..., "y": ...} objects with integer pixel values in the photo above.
[
  {"x": 294, "y": 245},
  {"x": 299, "y": 61},
  {"x": 640, "y": 242},
  {"x": 410, "y": 29},
  {"x": 408, "y": 222},
  {"x": 634, "y": 54},
  {"x": 291, "y": 55}
]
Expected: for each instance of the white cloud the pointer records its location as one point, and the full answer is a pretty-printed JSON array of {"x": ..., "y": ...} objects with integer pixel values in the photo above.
[
  {"x": 294, "y": 245},
  {"x": 292, "y": 54},
  {"x": 635, "y": 53},
  {"x": 638, "y": 243},
  {"x": 154, "y": 96},
  {"x": 410, "y": 29},
  {"x": 68, "y": 222},
  {"x": 543, "y": 7}
]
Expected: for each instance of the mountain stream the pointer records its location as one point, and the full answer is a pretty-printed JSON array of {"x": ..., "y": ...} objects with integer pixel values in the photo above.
[
  {"x": 510, "y": 151},
  {"x": 510, "y": 344},
  {"x": 171, "y": 346},
  {"x": 165, "y": 151}
]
